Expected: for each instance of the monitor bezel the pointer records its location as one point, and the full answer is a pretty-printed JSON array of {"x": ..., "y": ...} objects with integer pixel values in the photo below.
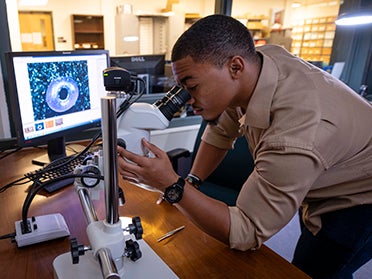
[
  {"x": 145, "y": 66},
  {"x": 15, "y": 107},
  {"x": 138, "y": 62}
]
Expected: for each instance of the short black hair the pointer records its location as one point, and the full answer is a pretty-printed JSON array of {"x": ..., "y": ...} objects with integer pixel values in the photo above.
[{"x": 215, "y": 39}]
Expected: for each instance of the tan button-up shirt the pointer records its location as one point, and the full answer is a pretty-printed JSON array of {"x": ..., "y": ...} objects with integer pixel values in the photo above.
[{"x": 311, "y": 140}]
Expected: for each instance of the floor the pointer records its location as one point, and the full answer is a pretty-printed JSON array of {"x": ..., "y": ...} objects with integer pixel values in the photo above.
[{"x": 284, "y": 243}]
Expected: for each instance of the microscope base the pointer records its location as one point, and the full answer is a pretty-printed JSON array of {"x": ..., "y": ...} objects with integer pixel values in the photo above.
[{"x": 150, "y": 265}]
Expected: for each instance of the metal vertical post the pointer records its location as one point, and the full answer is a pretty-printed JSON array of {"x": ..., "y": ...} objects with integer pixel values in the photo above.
[{"x": 109, "y": 138}]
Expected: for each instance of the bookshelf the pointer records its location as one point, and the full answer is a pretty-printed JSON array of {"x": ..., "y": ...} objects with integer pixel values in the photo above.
[
  {"x": 87, "y": 32},
  {"x": 313, "y": 38}
]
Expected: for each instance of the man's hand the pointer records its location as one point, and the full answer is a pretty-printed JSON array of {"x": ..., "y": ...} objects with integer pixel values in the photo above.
[{"x": 156, "y": 171}]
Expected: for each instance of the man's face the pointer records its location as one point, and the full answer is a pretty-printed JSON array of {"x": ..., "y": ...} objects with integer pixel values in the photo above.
[{"x": 210, "y": 87}]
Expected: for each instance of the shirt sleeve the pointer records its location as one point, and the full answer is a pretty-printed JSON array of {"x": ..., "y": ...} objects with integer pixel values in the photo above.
[
  {"x": 271, "y": 195},
  {"x": 224, "y": 133}
]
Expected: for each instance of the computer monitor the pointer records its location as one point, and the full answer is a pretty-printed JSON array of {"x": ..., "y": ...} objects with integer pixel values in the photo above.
[
  {"x": 150, "y": 68},
  {"x": 53, "y": 94}
]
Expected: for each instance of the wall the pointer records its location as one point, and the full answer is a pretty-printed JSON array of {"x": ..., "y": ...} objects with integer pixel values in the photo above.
[
  {"x": 62, "y": 17},
  {"x": 241, "y": 8},
  {"x": 61, "y": 12},
  {"x": 321, "y": 9}
]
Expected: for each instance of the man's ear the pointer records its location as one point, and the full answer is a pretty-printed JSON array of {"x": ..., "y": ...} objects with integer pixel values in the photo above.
[{"x": 236, "y": 66}]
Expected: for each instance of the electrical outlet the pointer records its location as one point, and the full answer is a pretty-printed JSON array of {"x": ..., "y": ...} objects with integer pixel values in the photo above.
[{"x": 43, "y": 228}]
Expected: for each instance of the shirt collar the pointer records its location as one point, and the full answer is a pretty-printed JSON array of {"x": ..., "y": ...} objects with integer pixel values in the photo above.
[{"x": 258, "y": 109}]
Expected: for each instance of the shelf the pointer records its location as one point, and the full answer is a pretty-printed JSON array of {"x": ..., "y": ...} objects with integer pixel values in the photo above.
[
  {"x": 313, "y": 38},
  {"x": 87, "y": 31}
]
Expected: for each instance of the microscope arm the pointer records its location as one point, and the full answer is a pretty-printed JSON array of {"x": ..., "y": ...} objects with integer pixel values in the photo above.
[{"x": 137, "y": 122}]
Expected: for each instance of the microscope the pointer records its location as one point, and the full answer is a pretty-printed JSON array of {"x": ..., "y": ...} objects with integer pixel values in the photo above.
[
  {"x": 114, "y": 250},
  {"x": 140, "y": 118}
]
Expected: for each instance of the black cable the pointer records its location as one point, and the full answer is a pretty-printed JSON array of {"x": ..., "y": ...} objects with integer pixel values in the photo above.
[
  {"x": 11, "y": 152},
  {"x": 9, "y": 235},
  {"x": 37, "y": 186},
  {"x": 13, "y": 183},
  {"x": 40, "y": 186},
  {"x": 123, "y": 107},
  {"x": 55, "y": 165}
]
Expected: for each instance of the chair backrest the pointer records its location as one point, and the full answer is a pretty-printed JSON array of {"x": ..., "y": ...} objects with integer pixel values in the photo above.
[{"x": 235, "y": 168}]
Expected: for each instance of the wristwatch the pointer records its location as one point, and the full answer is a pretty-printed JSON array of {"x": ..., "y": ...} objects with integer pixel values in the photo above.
[{"x": 173, "y": 193}]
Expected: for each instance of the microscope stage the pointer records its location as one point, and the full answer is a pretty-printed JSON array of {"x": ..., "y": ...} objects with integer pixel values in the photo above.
[{"x": 150, "y": 265}]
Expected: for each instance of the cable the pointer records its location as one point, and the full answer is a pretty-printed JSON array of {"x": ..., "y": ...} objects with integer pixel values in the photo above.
[
  {"x": 37, "y": 186},
  {"x": 54, "y": 165},
  {"x": 9, "y": 153},
  {"x": 13, "y": 183},
  {"x": 35, "y": 189},
  {"x": 9, "y": 235},
  {"x": 122, "y": 108}
]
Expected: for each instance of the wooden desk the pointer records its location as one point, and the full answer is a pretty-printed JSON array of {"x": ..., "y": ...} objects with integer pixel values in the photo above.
[{"x": 189, "y": 253}]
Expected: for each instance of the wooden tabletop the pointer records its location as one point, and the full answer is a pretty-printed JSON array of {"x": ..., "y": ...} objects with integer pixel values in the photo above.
[{"x": 189, "y": 253}]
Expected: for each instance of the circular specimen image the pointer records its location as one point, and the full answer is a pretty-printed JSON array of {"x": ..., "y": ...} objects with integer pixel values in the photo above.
[
  {"x": 62, "y": 94},
  {"x": 58, "y": 88}
]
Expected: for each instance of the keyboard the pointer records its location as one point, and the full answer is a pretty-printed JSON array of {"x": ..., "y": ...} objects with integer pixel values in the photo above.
[{"x": 55, "y": 170}]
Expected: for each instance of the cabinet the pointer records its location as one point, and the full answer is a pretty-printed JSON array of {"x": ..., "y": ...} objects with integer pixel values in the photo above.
[
  {"x": 190, "y": 19},
  {"x": 313, "y": 38},
  {"x": 87, "y": 32},
  {"x": 257, "y": 25}
]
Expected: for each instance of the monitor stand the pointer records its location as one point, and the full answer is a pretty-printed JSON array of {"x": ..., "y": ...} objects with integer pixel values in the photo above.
[{"x": 56, "y": 150}]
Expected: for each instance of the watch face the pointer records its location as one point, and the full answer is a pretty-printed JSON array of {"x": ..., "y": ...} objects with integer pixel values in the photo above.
[{"x": 173, "y": 194}]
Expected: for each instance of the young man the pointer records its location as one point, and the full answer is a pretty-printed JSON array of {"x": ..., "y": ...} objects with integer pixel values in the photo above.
[{"x": 310, "y": 136}]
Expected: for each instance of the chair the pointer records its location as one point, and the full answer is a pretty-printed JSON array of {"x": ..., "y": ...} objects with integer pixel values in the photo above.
[{"x": 227, "y": 179}]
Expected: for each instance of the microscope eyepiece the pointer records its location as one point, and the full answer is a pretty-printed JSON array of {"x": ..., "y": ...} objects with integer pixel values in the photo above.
[{"x": 172, "y": 101}]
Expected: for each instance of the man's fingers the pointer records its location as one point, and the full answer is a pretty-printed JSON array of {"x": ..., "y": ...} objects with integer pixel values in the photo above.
[{"x": 152, "y": 148}]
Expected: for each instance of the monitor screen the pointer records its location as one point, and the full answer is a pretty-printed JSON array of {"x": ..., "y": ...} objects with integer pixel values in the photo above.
[
  {"x": 150, "y": 68},
  {"x": 55, "y": 93}
]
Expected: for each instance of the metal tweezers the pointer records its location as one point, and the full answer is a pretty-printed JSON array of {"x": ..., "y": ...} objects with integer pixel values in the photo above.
[{"x": 172, "y": 232}]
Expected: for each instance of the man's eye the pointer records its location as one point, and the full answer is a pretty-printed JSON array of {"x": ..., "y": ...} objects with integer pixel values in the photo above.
[{"x": 191, "y": 87}]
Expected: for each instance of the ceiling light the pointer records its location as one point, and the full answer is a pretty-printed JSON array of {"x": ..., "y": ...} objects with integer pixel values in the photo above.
[
  {"x": 130, "y": 38},
  {"x": 354, "y": 18},
  {"x": 296, "y": 5}
]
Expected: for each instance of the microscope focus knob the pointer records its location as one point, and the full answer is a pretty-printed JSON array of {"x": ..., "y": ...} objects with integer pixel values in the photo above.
[
  {"x": 132, "y": 250},
  {"x": 87, "y": 181},
  {"x": 76, "y": 250},
  {"x": 121, "y": 142},
  {"x": 136, "y": 227}
]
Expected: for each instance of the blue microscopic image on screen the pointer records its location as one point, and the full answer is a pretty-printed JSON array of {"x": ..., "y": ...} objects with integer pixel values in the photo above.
[
  {"x": 58, "y": 88},
  {"x": 39, "y": 126}
]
